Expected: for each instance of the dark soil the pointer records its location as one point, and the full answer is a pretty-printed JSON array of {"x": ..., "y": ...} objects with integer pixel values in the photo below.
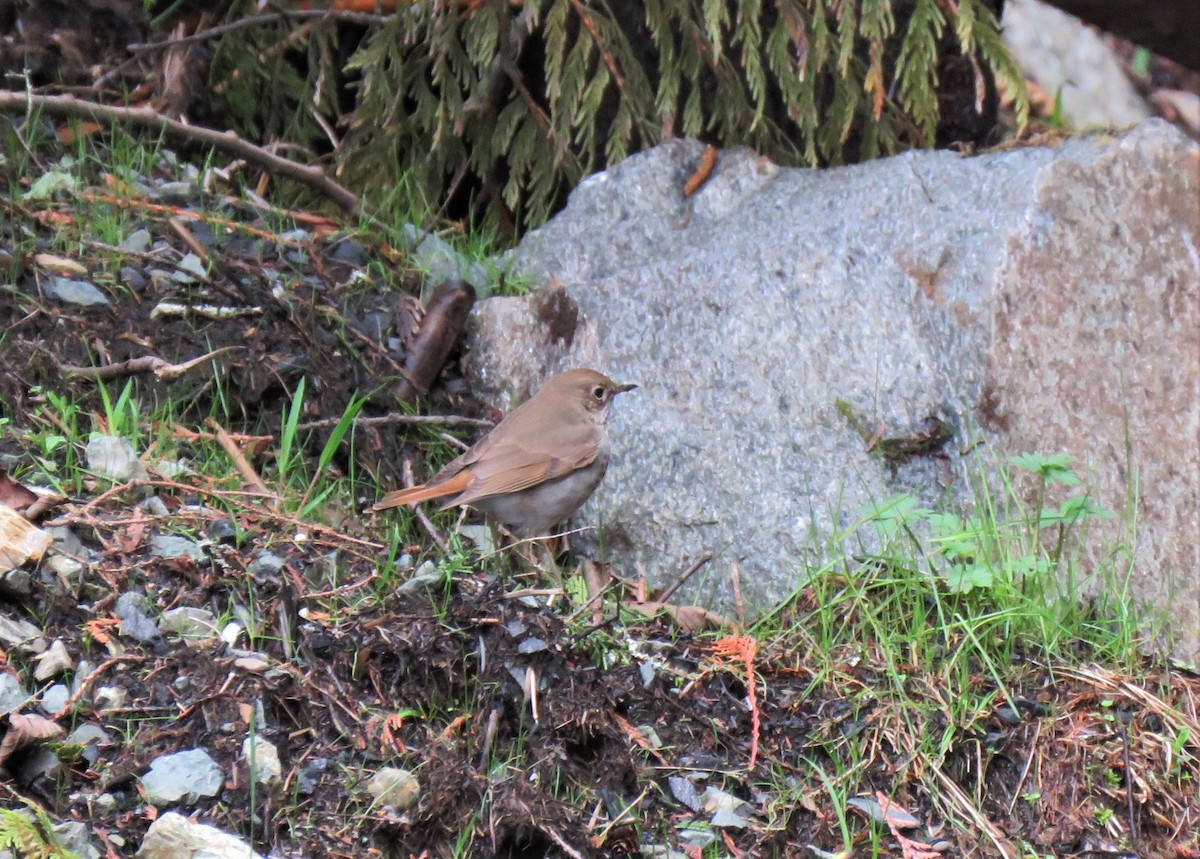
[{"x": 533, "y": 733}]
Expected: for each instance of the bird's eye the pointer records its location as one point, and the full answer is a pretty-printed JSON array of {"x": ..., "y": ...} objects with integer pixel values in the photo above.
[{"x": 598, "y": 392}]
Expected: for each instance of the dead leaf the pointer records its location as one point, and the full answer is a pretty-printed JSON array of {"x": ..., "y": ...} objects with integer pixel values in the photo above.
[
  {"x": 27, "y": 730},
  {"x": 20, "y": 540},
  {"x": 689, "y": 618},
  {"x": 15, "y": 495}
]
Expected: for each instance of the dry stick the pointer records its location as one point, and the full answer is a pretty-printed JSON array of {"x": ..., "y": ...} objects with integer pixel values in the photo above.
[
  {"x": 1123, "y": 722},
  {"x": 414, "y": 420},
  {"x": 433, "y": 532},
  {"x": 245, "y": 469},
  {"x": 739, "y": 608},
  {"x": 164, "y": 370},
  {"x": 87, "y": 682},
  {"x": 687, "y": 574},
  {"x": 69, "y": 106},
  {"x": 255, "y": 20}
]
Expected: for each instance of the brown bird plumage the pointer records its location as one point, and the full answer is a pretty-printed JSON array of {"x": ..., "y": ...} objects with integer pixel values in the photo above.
[{"x": 537, "y": 466}]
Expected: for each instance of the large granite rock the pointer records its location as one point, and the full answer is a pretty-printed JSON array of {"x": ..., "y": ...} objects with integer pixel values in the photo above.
[{"x": 1040, "y": 299}]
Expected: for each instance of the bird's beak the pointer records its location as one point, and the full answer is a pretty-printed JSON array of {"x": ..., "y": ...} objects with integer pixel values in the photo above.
[{"x": 620, "y": 389}]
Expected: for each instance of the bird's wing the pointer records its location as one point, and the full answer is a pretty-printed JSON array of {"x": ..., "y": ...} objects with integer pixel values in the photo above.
[{"x": 515, "y": 468}]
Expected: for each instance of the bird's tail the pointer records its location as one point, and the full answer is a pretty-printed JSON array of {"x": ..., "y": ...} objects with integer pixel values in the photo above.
[{"x": 424, "y": 492}]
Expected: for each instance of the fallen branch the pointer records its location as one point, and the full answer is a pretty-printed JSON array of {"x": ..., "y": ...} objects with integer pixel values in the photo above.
[
  {"x": 144, "y": 117},
  {"x": 245, "y": 469},
  {"x": 687, "y": 574},
  {"x": 413, "y": 420},
  {"x": 164, "y": 370}
]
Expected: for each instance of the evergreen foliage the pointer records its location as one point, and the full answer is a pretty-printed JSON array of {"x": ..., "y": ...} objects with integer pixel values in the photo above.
[{"x": 518, "y": 101}]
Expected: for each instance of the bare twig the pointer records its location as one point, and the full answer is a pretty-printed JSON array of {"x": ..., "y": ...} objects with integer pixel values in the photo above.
[
  {"x": 433, "y": 532},
  {"x": 687, "y": 574},
  {"x": 245, "y": 469},
  {"x": 87, "y": 681},
  {"x": 164, "y": 370},
  {"x": 254, "y": 21},
  {"x": 227, "y": 141},
  {"x": 411, "y": 420}
]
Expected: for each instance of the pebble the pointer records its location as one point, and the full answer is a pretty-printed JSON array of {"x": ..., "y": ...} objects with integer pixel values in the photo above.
[
  {"x": 395, "y": 787},
  {"x": 191, "y": 774},
  {"x": 263, "y": 758},
  {"x": 113, "y": 456},
  {"x": 53, "y": 662},
  {"x": 81, "y": 293}
]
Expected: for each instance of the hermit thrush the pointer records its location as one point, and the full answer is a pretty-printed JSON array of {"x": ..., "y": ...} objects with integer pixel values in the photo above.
[{"x": 537, "y": 466}]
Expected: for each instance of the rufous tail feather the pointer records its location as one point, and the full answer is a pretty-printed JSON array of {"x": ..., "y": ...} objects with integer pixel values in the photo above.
[{"x": 424, "y": 492}]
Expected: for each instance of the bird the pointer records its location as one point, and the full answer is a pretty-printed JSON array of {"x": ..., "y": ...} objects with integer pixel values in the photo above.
[{"x": 536, "y": 467}]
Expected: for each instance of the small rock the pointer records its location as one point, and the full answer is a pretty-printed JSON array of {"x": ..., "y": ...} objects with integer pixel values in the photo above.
[
  {"x": 73, "y": 835},
  {"x": 222, "y": 530},
  {"x": 426, "y": 577},
  {"x": 189, "y": 623},
  {"x": 696, "y": 835},
  {"x": 110, "y": 698},
  {"x": 310, "y": 775},
  {"x": 138, "y": 241},
  {"x": 154, "y": 505},
  {"x": 173, "y": 836},
  {"x": 173, "y": 546},
  {"x": 53, "y": 662},
  {"x": 179, "y": 192},
  {"x": 113, "y": 456},
  {"x": 231, "y": 632},
  {"x": 106, "y": 802},
  {"x": 82, "y": 670},
  {"x": 190, "y": 269},
  {"x": 133, "y": 278},
  {"x": 172, "y": 469},
  {"x": 67, "y": 572},
  {"x": 12, "y": 694},
  {"x": 684, "y": 791},
  {"x": 252, "y": 664},
  {"x": 191, "y": 774},
  {"x": 266, "y": 564},
  {"x": 78, "y": 292},
  {"x": 21, "y": 634},
  {"x": 395, "y": 787},
  {"x": 348, "y": 251},
  {"x": 55, "y": 698},
  {"x": 67, "y": 542},
  {"x": 134, "y": 621},
  {"x": 90, "y": 737},
  {"x": 263, "y": 759},
  {"x": 728, "y": 811},
  {"x": 532, "y": 645},
  {"x": 16, "y": 585}
]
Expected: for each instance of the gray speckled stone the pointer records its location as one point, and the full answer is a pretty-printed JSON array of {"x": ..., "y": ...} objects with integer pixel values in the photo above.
[
  {"x": 1041, "y": 299},
  {"x": 78, "y": 292},
  {"x": 191, "y": 775}
]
